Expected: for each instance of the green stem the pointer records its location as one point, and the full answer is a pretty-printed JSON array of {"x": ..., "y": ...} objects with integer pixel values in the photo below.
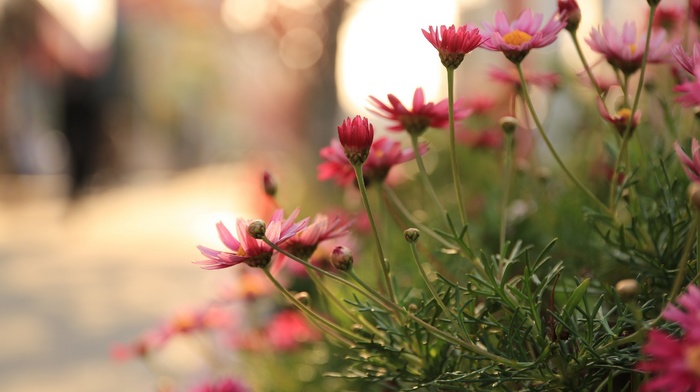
[
  {"x": 404, "y": 211},
  {"x": 386, "y": 271},
  {"x": 540, "y": 128},
  {"x": 426, "y": 180},
  {"x": 436, "y": 296},
  {"x": 585, "y": 64},
  {"x": 312, "y": 315},
  {"x": 506, "y": 192},
  {"x": 683, "y": 262},
  {"x": 453, "y": 151}
]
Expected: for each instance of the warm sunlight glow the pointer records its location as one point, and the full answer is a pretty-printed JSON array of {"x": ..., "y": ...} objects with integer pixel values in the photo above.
[
  {"x": 244, "y": 15},
  {"x": 91, "y": 22},
  {"x": 383, "y": 51}
]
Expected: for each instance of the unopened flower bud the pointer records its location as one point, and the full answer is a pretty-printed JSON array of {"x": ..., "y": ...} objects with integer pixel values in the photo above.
[
  {"x": 356, "y": 136},
  {"x": 303, "y": 297},
  {"x": 269, "y": 184},
  {"x": 341, "y": 258},
  {"x": 653, "y": 3},
  {"x": 569, "y": 10},
  {"x": 627, "y": 289},
  {"x": 357, "y": 328},
  {"x": 412, "y": 234},
  {"x": 694, "y": 194},
  {"x": 508, "y": 124},
  {"x": 256, "y": 229},
  {"x": 412, "y": 308}
]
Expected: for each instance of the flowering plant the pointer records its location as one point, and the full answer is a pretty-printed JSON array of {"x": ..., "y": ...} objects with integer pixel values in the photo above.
[{"x": 538, "y": 278}]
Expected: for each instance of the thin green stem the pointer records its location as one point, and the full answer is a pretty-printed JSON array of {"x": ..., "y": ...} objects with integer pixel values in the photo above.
[
  {"x": 592, "y": 78},
  {"x": 435, "y": 294},
  {"x": 426, "y": 180},
  {"x": 683, "y": 262},
  {"x": 406, "y": 213},
  {"x": 540, "y": 128},
  {"x": 386, "y": 270},
  {"x": 312, "y": 315},
  {"x": 508, "y": 164},
  {"x": 453, "y": 151}
]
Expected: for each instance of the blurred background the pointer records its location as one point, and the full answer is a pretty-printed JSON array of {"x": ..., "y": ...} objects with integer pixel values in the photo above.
[{"x": 129, "y": 127}]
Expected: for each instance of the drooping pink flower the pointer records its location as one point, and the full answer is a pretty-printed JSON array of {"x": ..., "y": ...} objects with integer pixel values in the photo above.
[
  {"x": 420, "y": 117},
  {"x": 675, "y": 362},
  {"x": 454, "y": 43},
  {"x": 689, "y": 91},
  {"x": 570, "y": 12},
  {"x": 223, "y": 385},
  {"x": 246, "y": 249},
  {"x": 510, "y": 76},
  {"x": 625, "y": 51},
  {"x": 517, "y": 38},
  {"x": 356, "y": 135},
  {"x": 620, "y": 119},
  {"x": 691, "y": 164},
  {"x": 383, "y": 155},
  {"x": 686, "y": 61}
]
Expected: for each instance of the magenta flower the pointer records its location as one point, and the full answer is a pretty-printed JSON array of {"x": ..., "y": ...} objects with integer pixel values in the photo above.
[
  {"x": 620, "y": 120},
  {"x": 684, "y": 60},
  {"x": 305, "y": 242},
  {"x": 383, "y": 155},
  {"x": 246, "y": 249},
  {"x": 691, "y": 164},
  {"x": 421, "y": 116},
  {"x": 675, "y": 362},
  {"x": 668, "y": 18},
  {"x": 288, "y": 330},
  {"x": 223, "y": 385},
  {"x": 570, "y": 12},
  {"x": 517, "y": 38},
  {"x": 690, "y": 91},
  {"x": 454, "y": 43},
  {"x": 356, "y": 137},
  {"x": 625, "y": 51},
  {"x": 694, "y": 6}
]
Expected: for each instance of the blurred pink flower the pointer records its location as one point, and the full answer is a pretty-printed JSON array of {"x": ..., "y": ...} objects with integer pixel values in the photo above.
[
  {"x": 383, "y": 155},
  {"x": 675, "y": 362},
  {"x": 694, "y": 6},
  {"x": 248, "y": 250},
  {"x": 690, "y": 91},
  {"x": 620, "y": 120},
  {"x": 146, "y": 344},
  {"x": 669, "y": 18},
  {"x": 421, "y": 116},
  {"x": 510, "y": 76},
  {"x": 453, "y": 43},
  {"x": 356, "y": 135},
  {"x": 288, "y": 330},
  {"x": 691, "y": 164},
  {"x": 223, "y": 385},
  {"x": 684, "y": 60},
  {"x": 186, "y": 322},
  {"x": 478, "y": 104},
  {"x": 517, "y": 38},
  {"x": 625, "y": 51},
  {"x": 489, "y": 139}
]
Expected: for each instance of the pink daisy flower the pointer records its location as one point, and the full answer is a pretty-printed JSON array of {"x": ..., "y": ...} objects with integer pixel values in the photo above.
[
  {"x": 691, "y": 164},
  {"x": 621, "y": 118},
  {"x": 517, "y": 38},
  {"x": 454, "y": 43},
  {"x": 421, "y": 116},
  {"x": 686, "y": 61},
  {"x": 669, "y": 18},
  {"x": 383, "y": 155},
  {"x": 690, "y": 91},
  {"x": 249, "y": 250},
  {"x": 288, "y": 330},
  {"x": 356, "y": 137},
  {"x": 675, "y": 362},
  {"x": 625, "y": 51}
]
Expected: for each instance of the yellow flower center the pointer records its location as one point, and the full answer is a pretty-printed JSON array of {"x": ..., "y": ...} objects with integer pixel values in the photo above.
[
  {"x": 633, "y": 48},
  {"x": 624, "y": 113},
  {"x": 692, "y": 359},
  {"x": 517, "y": 37}
]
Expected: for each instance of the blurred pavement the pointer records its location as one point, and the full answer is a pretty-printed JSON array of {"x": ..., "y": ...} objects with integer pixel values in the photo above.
[{"x": 75, "y": 280}]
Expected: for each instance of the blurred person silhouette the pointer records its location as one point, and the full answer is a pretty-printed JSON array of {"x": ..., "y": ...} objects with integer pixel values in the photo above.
[{"x": 81, "y": 78}]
